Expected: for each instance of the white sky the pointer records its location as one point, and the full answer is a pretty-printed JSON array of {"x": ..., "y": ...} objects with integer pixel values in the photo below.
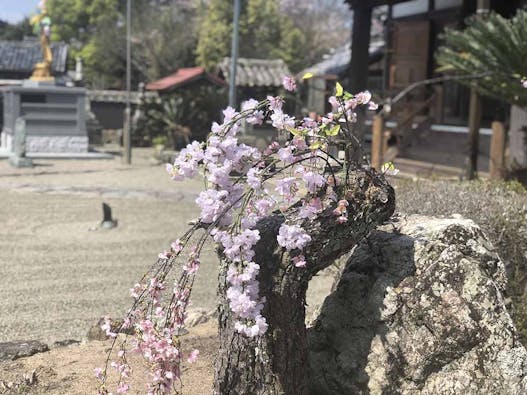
[{"x": 15, "y": 10}]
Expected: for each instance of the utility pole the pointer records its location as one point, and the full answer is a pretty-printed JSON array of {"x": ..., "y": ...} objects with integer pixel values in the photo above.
[
  {"x": 474, "y": 115},
  {"x": 234, "y": 53},
  {"x": 127, "y": 135}
]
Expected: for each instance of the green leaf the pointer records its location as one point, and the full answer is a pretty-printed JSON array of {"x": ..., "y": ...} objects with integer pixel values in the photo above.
[
  {"x": 339, "y": 90},
  {"x": 388, "y": 166},
  {"x": 333, "y": 131},
  {"x": 307, "y": 76},
  {"x": 296, "y": 132},
  {"x": 315, "y": 145}
]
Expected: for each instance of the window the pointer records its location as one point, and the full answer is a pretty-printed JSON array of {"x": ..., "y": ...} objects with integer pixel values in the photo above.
[
  {"x": 444, "y": 4},
  {"x": 413, "y": 7}
]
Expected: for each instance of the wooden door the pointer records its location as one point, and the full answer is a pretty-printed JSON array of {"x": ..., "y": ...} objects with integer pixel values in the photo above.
[{"x": 410, "y": 51}]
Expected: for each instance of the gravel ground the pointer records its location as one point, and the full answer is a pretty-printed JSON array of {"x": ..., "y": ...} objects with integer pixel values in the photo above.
[{"x": 57, "y": 274}]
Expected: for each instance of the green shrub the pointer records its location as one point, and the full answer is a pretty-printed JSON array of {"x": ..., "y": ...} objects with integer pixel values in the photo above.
[
  {"x": 499, "y": 208},
  {"x": 181, "y": 116}
]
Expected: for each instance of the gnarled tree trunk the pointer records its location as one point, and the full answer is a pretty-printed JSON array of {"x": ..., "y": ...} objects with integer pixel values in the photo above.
[{"x": 276, "y": 363}]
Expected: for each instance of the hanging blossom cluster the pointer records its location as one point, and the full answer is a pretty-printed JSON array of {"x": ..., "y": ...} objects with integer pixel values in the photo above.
[{"x": 244, "y": 185}]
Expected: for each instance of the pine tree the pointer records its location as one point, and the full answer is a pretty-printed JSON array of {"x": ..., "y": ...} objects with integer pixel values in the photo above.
[{"x": 492, "y": 45}]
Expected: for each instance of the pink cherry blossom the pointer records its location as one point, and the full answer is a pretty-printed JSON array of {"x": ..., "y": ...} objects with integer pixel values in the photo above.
[
  {"x": 313, "y": 181},
  {"x": 256, "y": 117},
  {"x": 275, "y": 103},
  {"x": 310, "y": 209},
  {"x": 286, "y": 154},
  {"x": 299, "y": 261},
  {"x": 98, "y": 373},
  {"x": 292, "y": 237},
  {"x": 193, "y": 356},
  {"x": 289, "y": 83},
  {"x": 287, "y": 187},
  {"x": 123, "y": 388},
  {"x": 231, "y": 207},
  {"x": 282, "y": 121}
]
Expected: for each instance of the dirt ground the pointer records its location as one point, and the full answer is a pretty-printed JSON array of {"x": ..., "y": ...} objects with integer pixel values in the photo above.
[
  {"x": 69, "y": 370},
  {"x": 60, "y": 272}
]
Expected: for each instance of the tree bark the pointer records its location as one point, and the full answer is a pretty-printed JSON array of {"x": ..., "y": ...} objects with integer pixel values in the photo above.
[{"x": 276, "y": 363}]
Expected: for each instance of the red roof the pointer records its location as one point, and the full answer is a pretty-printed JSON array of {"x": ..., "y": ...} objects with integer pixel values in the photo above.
[{"x": 182, "y": 77}]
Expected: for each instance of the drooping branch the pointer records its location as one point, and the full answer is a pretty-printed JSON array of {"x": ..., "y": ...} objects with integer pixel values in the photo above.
[{"x": 276, "y": 363}]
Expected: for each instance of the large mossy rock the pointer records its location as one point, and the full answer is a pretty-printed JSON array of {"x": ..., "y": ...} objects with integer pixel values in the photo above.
[{"x": 419, "y": 309}]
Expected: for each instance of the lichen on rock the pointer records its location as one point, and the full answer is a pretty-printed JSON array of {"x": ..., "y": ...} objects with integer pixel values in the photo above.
[{"x": 419, "y": 309}]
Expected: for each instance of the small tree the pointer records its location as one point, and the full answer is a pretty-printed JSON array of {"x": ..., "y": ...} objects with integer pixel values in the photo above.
[
  {"x": 181, "y": 115},
  {"x": 277, "y": 217}
]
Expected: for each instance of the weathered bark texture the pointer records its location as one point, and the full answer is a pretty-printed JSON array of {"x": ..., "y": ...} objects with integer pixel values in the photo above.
[
  {"x": 276, "y": 363},
  {"x": 419, "y": 310}
]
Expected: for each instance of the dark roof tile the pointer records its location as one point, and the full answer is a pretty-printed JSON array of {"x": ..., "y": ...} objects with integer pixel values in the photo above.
[
  {"x": 21, "y": 56},
  {"x": 257, "y": 72}
]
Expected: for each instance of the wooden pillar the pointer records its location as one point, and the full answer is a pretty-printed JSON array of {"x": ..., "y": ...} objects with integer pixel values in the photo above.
[
  {"x": 474, "y": 117},
  {"x": 377, "y": 142},
  {"x": 497, "y": 151},
  {"x": 386, "y": 60},
  {"x": 360, "y": 46},
  {"x": 474, "y": 123},
  {"x": 359, "y": 64}
]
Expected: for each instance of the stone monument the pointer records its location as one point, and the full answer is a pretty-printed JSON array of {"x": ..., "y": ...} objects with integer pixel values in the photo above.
[
  {"x": 18, "y": 158},
  {"x": 55, "y": 116}
]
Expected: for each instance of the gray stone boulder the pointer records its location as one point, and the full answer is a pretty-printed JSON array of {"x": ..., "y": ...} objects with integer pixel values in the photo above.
[
  {"x": 9, "y": 351},
  {"x": 419, "y": 309}
]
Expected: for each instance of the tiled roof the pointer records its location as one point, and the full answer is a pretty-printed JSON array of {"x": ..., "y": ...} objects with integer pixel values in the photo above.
[
  {"x": 21, "y": 56},
  {"x": 338, "y": 61},
  {"x": 109, "y": 96},
  {"x": 256, "y": 72},
  {"x": 182, "y": 77}
]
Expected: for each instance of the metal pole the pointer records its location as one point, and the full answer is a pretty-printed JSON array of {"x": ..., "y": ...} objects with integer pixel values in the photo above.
[
  {"x": 234, "y": 53},
  {"x": 127, "y": 135}
]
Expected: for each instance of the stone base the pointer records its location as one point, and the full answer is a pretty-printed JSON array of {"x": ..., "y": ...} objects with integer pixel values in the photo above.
[
  {"x": 57, "y": 144},
  {"x": 38, "y": 82},
  {"x": 17, "y": 161},
  {"x": 6, "y": 141}
]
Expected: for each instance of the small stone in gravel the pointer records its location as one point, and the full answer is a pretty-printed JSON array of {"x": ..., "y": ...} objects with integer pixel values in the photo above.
[
  {"x": 196, "y": 317},
  {"x": 67, "y": 342},
  {"x": 9, "y": 351},
  {"x": 96, "y": 333}
]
